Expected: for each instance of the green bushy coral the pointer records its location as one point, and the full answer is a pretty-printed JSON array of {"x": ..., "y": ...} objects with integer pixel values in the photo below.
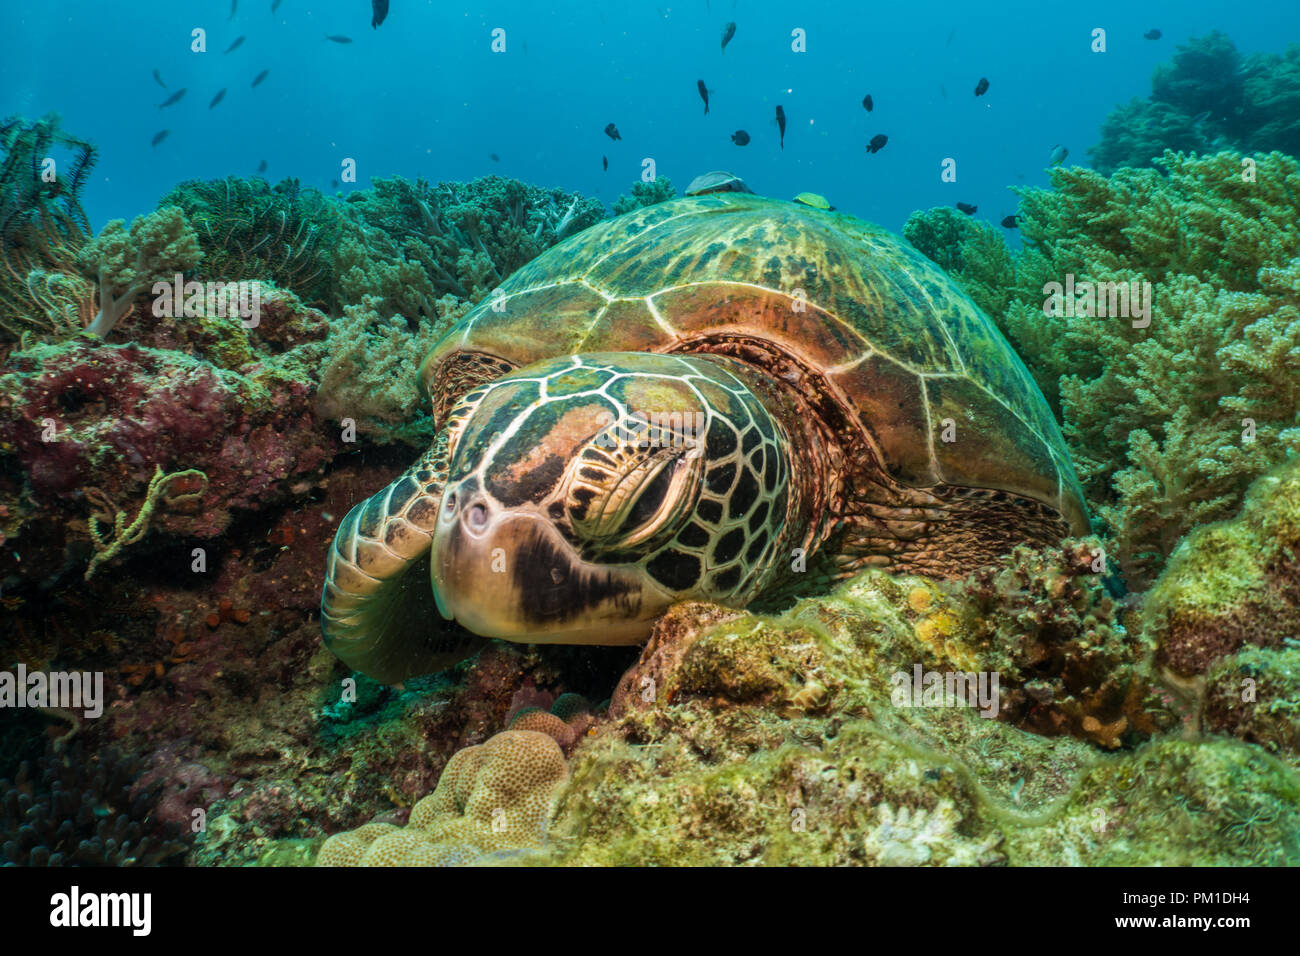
[
  {"x": 124, "y": 263},
  {"x": 1167, "y": 424},
  {"x": 420, "y": 242},
  {"x": 249, "y": 229},
  {"x": 369, "y": 370},
  {"x": 967, "y": 247},
  {"x": 645, "y": 194},
  {"x": 1207, "y": 98}
]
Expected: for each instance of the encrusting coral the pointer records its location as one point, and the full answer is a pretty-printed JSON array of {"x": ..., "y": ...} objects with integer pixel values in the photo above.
[{"x": 1232, "y": 584}]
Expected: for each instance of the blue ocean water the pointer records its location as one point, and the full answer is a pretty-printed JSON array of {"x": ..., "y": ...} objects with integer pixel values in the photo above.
[{"x": 425, "y": 94}]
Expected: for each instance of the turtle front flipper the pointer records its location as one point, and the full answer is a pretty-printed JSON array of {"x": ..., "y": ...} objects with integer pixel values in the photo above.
[{"x": 378, "y": 613}]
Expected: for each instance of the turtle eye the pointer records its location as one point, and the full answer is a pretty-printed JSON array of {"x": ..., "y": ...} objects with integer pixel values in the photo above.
[{"x": 634, "y": 505}]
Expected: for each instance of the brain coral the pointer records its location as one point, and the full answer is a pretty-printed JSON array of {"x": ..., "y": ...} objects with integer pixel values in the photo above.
[{"x": 493, "y": 797}]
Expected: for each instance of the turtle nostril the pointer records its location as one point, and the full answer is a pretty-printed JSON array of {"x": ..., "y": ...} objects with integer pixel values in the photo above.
[
  {"x": 449, "y": 503},
  {"x": 477, "y": 517}
]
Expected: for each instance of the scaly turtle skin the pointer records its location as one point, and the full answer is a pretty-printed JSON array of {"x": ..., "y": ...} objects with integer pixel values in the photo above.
[{"x": 726, "y": 397}]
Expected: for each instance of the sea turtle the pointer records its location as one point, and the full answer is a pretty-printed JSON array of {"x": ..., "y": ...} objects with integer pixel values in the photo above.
[
  {"x": 726, "y": 397},
  {"x": 717, "y": 182}
]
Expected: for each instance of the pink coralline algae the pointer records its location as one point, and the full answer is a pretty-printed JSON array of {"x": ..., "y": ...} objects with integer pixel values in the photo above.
[{"x": 84, "y": 414}]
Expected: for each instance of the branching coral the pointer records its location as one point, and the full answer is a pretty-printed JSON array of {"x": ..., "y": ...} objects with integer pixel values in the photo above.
[
  {"x": 421, "y": 242},
  {"x": 1168, "y": 422},
  {"x": 645, "y": 194},
  {"x": 1207, "y": 98},
  {"x": 249, "y": 229},
  {"x": 369, "y": 370},
  {"x": 966, "y": 247},
  {"x": 126, "y": 534},
  {"x": 124, "y": 263}
]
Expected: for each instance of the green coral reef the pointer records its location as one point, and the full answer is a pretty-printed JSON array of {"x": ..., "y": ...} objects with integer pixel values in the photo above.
[
  {"x": 1169, "y": 423},
  {"x": 1208, "y": 98},
  {"x": 1147, "y": 705},
  {"x": 796, "y": 739}
]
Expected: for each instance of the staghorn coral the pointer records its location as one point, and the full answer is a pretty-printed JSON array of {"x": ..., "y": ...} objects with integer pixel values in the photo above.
[
  {"x": 78, "y": 807},
  {"x": 645, "y": 194},
  {"x": 1232, "y": 584},
  {"x": 248, "y": 229},
  {"x": 42, "y": 226},
  {"x": 124, "y": 263}
]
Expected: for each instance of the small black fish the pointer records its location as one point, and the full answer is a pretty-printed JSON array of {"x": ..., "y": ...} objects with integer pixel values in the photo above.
[
  {"x": 260, "y": 77},
  {"x": 967, "y": 208},
  {"x": 234, "y": 5},
  {"x": 261, "y": 167},
  {"x": 780, "y": 122},
  {"x": 221, "y": 94},
  {"x": 877, "y": 143},
  {"x": 981, "y": 87},
  {"x": 604, "y": 162},
  {"x": 159, "y": 136},
  {"x": 238, "y": 40},
  {"x": 174, "y": 98},
  {"x": 337, "y": 38},
  {"x": 494, "y": 157},
  {"x": 740, "y": 138},
  {"x": 379, "y": 10},
  {"x": 275, "y": 5},
  {"x": 728, "y": 32},
  {"x": 158, "y": 78},
  {"x": 1153, "y": 34},
  {"x": 334, "y": 184},
  {"x": 867, "y": 103},
  {"x": 1010, "y": 222},
  {"x": 612, "y": 131},
  {"x": 704, "y": 95}
]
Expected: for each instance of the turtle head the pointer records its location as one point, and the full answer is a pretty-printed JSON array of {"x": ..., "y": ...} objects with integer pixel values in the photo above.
[{"x": 587, "y": 494}]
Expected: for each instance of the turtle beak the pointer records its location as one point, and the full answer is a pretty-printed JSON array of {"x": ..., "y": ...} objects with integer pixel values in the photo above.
[{"x": 510, "y": 574}]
